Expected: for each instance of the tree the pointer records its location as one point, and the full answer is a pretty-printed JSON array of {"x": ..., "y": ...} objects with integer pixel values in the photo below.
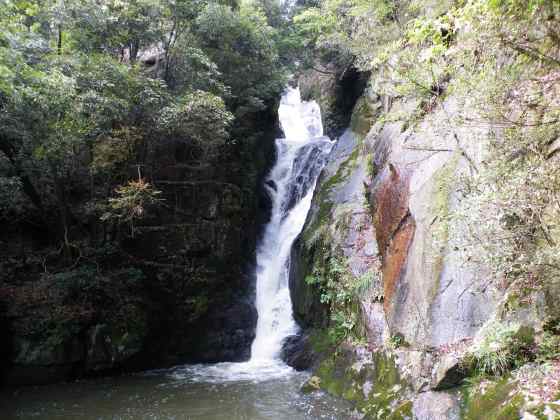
[
  {"x": 242, "y": 46},
  {"x": 199, "y": 118},
  {"x": 78, "y": 109}
]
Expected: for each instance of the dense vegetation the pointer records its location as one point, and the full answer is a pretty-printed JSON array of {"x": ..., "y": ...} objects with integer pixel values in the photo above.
[
  {"x": 89, "y": 91},
  {"x": 110, "y": 112}
]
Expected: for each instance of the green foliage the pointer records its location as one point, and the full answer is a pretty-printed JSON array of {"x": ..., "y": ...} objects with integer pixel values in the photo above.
[
  {"x": 114, "y": 150},
  {"x": 242, "y": 45},
  {"x": 499, "y": 348},
  {"x": 322, "y": 33},
  {"x": 81, "y": 103},
  {"x": 12, "y": 201},
  {"x": 516, "y": 187},
  {"x": 61, "y": 304},
  {"x": 365, "y": 283},
  {"x": 341, "y": 291},
  {"x": 397, "y": 341},
  {"x": 200, "y": 117},
  {"x": 548, "y": 344},
  {"x": 548, "y": 347}
]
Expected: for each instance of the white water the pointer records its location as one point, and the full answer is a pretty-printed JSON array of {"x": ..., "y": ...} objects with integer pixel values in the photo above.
[{"x": 301, "y": 155}]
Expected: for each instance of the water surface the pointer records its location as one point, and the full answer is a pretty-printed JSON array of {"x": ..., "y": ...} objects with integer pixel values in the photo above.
[{"x": 191, "y": 392}]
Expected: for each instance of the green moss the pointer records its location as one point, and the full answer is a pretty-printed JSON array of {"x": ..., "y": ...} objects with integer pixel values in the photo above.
[
  {"x": 312, "y": 384},
  {"x": 372, "y": 169},
  {"x": 380, "y": 378},
  {"x": 332, "y": 380},
  {"x": 320, "y": 341},
  {"x": 403, "y": 411},
  {"x": 499, "y": 401},
  {"x": 552, "y": 408},
  {"x": 538, "y": 412},
  {"x": 398, "y": 340},
  {"x": 322, "y": 218},
  {"x": 362, "y": 117},
  {"x": 513, "y": 302}
]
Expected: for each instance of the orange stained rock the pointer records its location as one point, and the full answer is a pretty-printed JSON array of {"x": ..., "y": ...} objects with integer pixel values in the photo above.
[{"x": 394, "y": 227}]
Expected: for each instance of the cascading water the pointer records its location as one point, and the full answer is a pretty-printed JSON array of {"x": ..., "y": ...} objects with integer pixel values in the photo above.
[{"x": 301, "y": 155}]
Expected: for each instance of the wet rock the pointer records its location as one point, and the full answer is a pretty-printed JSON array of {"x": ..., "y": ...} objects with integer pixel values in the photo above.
[
  {"x": 394, "y": 227},
  {"x": 108, "y": 347},
  {"x": 416, "y": 368},
  {"x": 42, "y": 362},
  {"x": 306, "y": 168},
  {"x": 312, "y": 384},
  {"x": 223, "y": 336},
  {"x": 298, "y": 353},
  {"x": 98, "y": 352},
  {"x": 336, "y": 90}
]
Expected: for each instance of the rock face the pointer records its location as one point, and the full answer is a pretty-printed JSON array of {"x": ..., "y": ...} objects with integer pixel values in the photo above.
[
  {"x": 383, "y": 208},
  {"x": 436, "y": 406},
  {"x": 179, "y": 290},
  {"x": 336, "y": 90},
  {"x": 297, "y": 352}
]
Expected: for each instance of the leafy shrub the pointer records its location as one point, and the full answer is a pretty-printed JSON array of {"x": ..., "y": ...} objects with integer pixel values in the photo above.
[
  {"x": 131, "y": 202},
  {"x": 200, "y": 117},
  {"x": 548, "y": 348}
]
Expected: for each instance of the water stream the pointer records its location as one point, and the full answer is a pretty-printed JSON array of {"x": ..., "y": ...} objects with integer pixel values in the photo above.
[
  {"x": 263, "y": 387},
  {"x": 300, "y": 157}
]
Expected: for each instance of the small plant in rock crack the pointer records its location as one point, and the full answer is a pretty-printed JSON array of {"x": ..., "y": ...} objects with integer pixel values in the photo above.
[
  {"x": 500, "y": 348},
  {"x": 397, "y": 340},
  {"x": 340, "y": 289}
]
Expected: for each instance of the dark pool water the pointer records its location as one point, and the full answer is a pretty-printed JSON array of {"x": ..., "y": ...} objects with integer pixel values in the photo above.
[{"x": 224, "y": 392}]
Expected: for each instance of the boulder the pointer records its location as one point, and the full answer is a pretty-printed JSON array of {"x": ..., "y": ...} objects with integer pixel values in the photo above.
[
  {"x": 436, "y": 406},
  {"x": 298, "y": 353}
]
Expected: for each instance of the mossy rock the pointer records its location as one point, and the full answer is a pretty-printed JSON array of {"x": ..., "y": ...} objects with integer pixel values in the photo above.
[
  {"x": 322, "y": 217},
  {"x": 312, "y": 384},
  {"x": 373, "y": 385},
  {"x": 402, "y": 412},
  {"x": 362, "y": 117},
  {"x": 499, "y": 401}
]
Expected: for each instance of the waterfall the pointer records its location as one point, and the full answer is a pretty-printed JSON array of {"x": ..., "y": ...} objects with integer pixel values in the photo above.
[{"x": 301, "y": 155}]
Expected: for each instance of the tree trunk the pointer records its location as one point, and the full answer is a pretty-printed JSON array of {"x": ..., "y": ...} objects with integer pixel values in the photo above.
[
  {"x": 63, "y": 213},
  {"x": 133, "y": 48},
  {"x": 59, "y": 43}
]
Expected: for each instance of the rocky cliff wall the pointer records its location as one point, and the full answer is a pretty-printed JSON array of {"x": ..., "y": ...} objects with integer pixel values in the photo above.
[
  {"x": 179, "y": 290},
  {"x": 408, "y": 297}
]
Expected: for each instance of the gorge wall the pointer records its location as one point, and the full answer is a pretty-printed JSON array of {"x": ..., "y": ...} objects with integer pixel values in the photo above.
[
  {"x": 400, "y": 304},
  {"x": 181, "y": 289}
]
